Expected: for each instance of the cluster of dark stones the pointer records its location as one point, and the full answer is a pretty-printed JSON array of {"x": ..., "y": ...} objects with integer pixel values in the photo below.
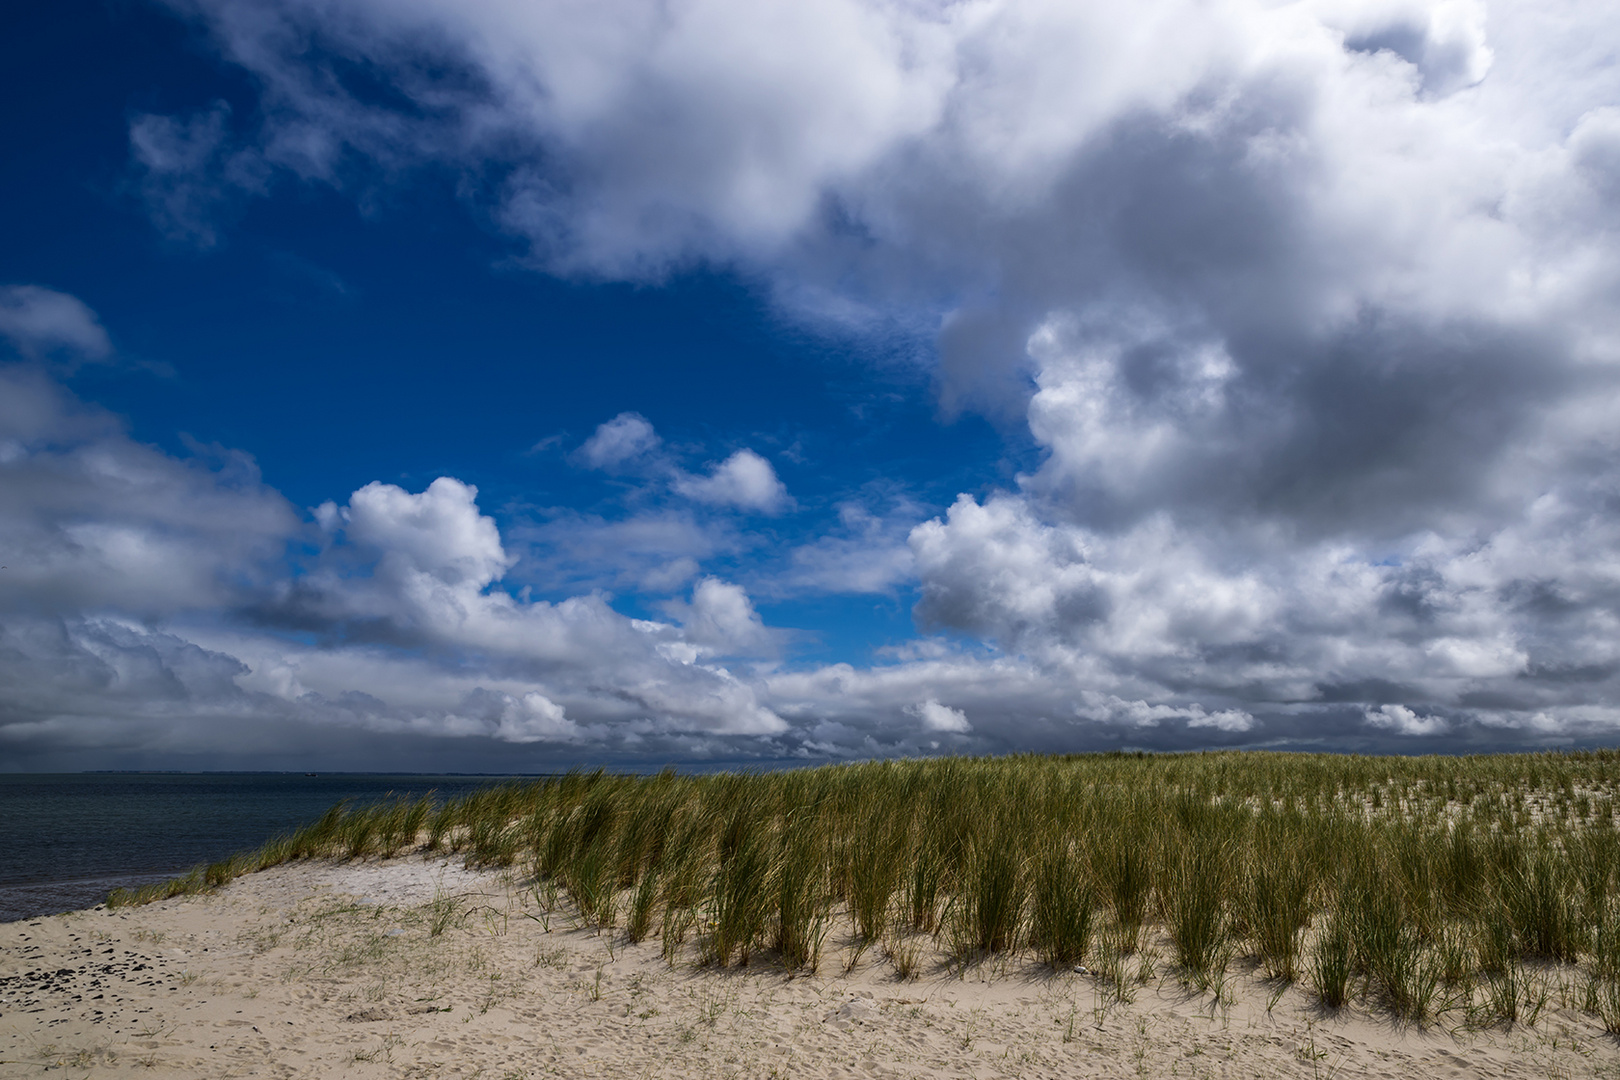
[{"x": 84, "y": 984}]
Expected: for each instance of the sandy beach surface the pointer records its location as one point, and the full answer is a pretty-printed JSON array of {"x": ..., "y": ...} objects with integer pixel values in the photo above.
[{"x": 335, "y": 969}]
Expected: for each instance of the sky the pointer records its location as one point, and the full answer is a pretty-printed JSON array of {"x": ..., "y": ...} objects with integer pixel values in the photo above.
[{"x": 505, "y": 385}]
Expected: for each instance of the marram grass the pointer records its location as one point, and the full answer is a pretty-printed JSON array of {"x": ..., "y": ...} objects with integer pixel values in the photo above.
[{"x": 1417, "y": 885}]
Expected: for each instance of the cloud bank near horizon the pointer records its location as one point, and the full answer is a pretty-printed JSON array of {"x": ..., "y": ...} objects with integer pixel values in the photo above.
[
  {"x": 166, "y": 610},
  {"x": 1310, "y": 309}
]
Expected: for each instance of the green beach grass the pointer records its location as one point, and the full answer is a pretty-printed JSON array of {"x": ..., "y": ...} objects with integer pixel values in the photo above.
[{"x": 1415, "y": 885}]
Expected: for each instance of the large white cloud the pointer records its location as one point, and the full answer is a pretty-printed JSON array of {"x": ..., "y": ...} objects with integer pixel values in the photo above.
[
  {"x": 429, "y": 567},
  {"x": 1367, "y": 243}
]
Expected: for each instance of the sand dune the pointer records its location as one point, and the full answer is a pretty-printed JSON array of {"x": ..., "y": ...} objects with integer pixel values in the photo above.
[{"x": 327, "y": 969}]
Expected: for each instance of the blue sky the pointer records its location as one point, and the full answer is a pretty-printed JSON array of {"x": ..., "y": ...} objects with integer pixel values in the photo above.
[{"x": 497, "y": 385}]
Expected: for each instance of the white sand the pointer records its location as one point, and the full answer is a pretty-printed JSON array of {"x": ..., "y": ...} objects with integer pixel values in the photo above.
[{"x": 330, "y": 969}]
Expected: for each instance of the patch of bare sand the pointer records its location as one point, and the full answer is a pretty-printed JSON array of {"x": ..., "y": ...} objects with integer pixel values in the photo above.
[{"x": 326, "y": 969}]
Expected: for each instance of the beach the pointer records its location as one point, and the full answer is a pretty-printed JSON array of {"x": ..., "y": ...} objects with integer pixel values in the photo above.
[{"x": 418, "y": 967}]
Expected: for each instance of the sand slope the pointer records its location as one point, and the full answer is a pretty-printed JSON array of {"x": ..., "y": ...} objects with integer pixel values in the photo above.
[{"x": 326, "y": 969}]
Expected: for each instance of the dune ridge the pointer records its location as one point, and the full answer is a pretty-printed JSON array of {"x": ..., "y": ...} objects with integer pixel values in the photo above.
[{"x": 416, "y": 966}]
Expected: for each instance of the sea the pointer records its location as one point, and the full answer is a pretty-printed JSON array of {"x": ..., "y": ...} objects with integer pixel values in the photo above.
[{"x": 67, "y": 839}]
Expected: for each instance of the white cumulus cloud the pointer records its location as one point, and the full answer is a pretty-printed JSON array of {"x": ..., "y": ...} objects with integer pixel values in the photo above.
[
  {"x": 1403, "y": 720},
  {"x": 622, "y": 439},
  {"x": 743, "y": 480},
  {"x": 937, "y": 717}
]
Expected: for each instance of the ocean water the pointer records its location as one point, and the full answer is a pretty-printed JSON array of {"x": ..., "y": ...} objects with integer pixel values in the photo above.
[{"x": 67, "y": 839}]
